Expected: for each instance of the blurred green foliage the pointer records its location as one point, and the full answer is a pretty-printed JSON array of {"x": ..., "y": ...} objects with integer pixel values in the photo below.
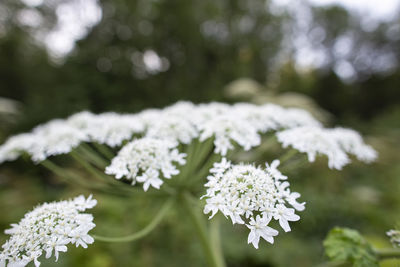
[
  {"x": 347, "y": 245},
  {"x": 206, "y": 50}
]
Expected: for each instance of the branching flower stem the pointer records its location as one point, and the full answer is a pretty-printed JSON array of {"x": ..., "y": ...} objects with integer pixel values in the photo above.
[
  {"x": 145, "y": 231},
  {"x": 213, "y": 255},
  {"x": 215, "y": 238},
  {"x": 74, "y": 178},
  {"x": 104, "y": 150},
  {"x": 110, "y": 181},
  {"x": 92, "y": 156},
  {"x": 288, "y": 155}
]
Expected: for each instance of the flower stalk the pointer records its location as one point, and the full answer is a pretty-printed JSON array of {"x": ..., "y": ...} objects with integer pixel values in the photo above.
[
  {"x": 214, "y": 256},
  {"x": 145, "y": 231}
]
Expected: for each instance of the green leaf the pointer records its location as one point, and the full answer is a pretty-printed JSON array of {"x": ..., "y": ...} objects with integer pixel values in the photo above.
[{"x": 347, "y": 245}]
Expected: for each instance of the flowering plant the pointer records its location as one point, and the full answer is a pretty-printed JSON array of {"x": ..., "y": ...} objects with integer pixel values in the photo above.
[{"x": 172, "y": 152}]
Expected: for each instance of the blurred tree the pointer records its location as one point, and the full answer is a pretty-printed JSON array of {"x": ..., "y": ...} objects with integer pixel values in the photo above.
[{"x": 153, "y": 53}]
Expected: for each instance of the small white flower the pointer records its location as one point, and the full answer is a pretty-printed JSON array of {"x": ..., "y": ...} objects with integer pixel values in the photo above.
[
  {"x": 57, "y": 244},
  {"x": 273, "y": 170},
  {"x": 259, "y": 228},
  {"x": 251, "y": 196},
  {"x": 145, "y": 160},
  {"x": 48, "y": 228},
  {"x": 284, "y": 215}
]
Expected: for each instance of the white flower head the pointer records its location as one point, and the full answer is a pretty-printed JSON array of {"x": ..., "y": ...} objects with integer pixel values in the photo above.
[
  {"x": 174, "y": 128},
  {"x": 55, "y": 137},
  {"x": 252, "y": 196},
  {"x": 146, "y": 160},
  {"x": 334, "y": 143},
  {"x": 52, "y": 138},
  {"x": 48, "y": 229},
  {"x": 313, "y": 141},
  {"x": 15, "y": 146},
  {"x": 352, "y": 143},
  {"x": 227, "y": 127},
  {"x": 107, "y": 128},
  {"x": 263, "y": 118},
  {"x": 295, "y": 117}
]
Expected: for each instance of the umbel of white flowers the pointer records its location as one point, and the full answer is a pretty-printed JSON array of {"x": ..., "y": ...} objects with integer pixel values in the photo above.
[
  {"x": 143, "y": 160},
  {"x": 152, "y": 138},
  {"x": 48, "y": 229},
  {"x": 252, "y": 196}
]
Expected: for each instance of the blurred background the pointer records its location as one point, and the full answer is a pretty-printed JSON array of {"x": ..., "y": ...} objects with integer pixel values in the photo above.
[{"x": 337, "y": 58}]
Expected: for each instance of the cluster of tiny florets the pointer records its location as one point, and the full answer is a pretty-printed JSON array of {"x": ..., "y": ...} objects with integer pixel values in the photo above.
[
  {"x": 146, "y": 160},
  {"x": 334, "y": 143},
  {"x": 48, "y": 229},
  {"x": 252, "y": 196},
  {"x": 107, "y": 128}
]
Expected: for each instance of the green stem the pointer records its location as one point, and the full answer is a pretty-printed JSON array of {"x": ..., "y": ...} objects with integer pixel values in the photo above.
[
  {"x": 78, "y": 158},
  {"x": 110, "y": 181},
  {"x": 76, "y": 179},
  {"x": 105, "y": 151},
  {"x": 202, "y": 173},
  {"x": 288, "y": 155},
  {"x": 201, "y": 155},
  {"x": 294, "y": 164},
  {"x": 213, "y": 259},
  {"x": 215, "y": 238},
  {"x": 92, "y": 156},
  {"x": 67, "y": 175},
  {"x": 387, "y": 253},
  {"x": 150, "y": 227}
]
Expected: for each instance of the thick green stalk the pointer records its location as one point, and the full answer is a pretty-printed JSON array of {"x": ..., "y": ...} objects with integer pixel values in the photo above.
[
  {"x": 205, "y": 169},
  {"x": 215, "y": 238},
  {"x": 142, "y": 233},
  {"x": 213, "y": 259}
]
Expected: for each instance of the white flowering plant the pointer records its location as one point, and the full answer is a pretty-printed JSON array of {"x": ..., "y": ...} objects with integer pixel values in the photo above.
[{"x": 185, "y": 153}]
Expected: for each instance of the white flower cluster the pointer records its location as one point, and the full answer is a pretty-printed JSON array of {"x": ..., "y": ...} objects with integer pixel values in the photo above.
[
  {"x": 48, "y": 229},
  {"x": 394, "y": 237},
  {"x": 181, "y": 122},
  {"x": 252, "y": 196},
  {"x": 334, "y": 143},
  {"x": 53, "y": 138},
  {"x": 107, "y": 128},
  {"x": 229, "y": 125},
  {"x": 144, "y": 160}
]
